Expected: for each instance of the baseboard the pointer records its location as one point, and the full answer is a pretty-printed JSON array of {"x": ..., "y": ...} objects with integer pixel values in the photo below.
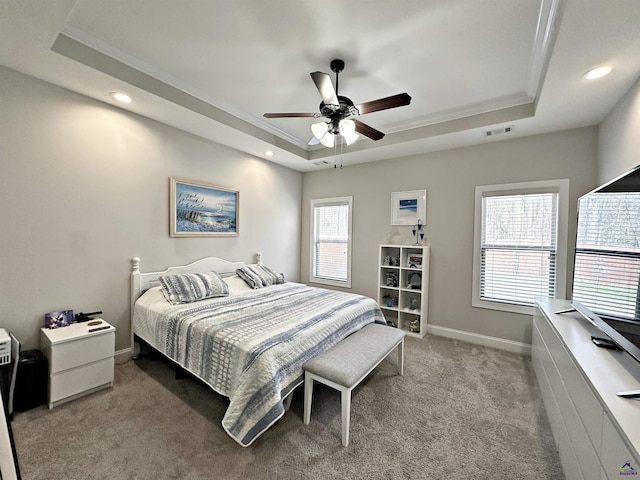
[
  {"x": 478, "y": 339},
  {"x": 123, "y": 356}
]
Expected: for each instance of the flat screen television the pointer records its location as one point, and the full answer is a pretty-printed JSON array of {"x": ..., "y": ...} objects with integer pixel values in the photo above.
[{"x": 606, "y": 282}]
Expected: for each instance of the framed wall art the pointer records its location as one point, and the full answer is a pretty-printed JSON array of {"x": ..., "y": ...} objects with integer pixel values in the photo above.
[
  {"x": 409, "y": 207},
  {"x": 202, "y": 210}
]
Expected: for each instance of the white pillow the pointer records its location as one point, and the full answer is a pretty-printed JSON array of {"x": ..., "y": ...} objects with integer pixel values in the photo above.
[
  {"x": 191, "y": 287},
  {"x": 236, "y": 285}
]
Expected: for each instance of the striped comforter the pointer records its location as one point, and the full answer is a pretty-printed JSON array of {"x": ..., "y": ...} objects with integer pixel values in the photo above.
[{"x": 251, "y": 347}]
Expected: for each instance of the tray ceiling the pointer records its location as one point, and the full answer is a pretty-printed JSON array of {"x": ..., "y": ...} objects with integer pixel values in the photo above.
[{"x": 213, "y": 68}]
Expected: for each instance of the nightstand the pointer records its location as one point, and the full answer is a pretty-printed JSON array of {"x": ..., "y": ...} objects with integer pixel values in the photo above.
[{"x": 81, "y": 359}]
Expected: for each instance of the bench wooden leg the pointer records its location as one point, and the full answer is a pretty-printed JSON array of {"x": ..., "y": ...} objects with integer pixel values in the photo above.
[
  {"x": 346, "y": 415},
  {"x": 308, "y": 394},
  {"x": 401, "y": 357}
]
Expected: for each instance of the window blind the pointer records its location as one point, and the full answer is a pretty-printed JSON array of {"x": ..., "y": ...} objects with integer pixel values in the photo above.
[
  {"x": 607, "y": 262},
  {"x": 518, "y": 247},
  {"x": 331, "y": 242}
]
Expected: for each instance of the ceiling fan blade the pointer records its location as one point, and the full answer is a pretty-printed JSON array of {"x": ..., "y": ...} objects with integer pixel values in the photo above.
[
  {"x": 393, "y": 101},
  {"x": 314, "y": 141},
  {"x": 289, "y": 115},
  {"x": 325, "y": 87},
  {"x": 367, "y": 131}
]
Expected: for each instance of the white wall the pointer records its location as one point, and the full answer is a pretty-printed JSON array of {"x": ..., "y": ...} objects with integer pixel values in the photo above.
[
  {"x": 84, "y": 188},
  {"x": 450, "y": 178},
  {"x": 619, "y": 137}
]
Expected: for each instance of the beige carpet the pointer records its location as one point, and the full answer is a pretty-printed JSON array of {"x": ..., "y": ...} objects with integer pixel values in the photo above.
[{"x": 459, "y": 412}]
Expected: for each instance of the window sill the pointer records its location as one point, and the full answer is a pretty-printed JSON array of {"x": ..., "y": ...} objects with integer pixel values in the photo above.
[
  {"x": 503, "y": 307},
  {"x": 333, "y": 283}
]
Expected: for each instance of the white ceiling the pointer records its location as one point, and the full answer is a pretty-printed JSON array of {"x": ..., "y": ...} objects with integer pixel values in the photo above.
[{"x": 213, "y": 67}]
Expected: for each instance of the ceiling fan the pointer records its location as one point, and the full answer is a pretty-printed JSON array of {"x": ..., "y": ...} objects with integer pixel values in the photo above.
[{"x": 338, "y": 110}]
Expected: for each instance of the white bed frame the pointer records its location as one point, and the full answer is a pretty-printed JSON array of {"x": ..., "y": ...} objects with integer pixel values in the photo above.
[{"x": 141, "y": 282}]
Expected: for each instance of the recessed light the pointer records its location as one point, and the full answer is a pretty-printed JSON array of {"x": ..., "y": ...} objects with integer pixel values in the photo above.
[
  {"x": 269, "y": 153},
  {"x": 121, "y": 97},
  {"x": 597, "y": 72}
]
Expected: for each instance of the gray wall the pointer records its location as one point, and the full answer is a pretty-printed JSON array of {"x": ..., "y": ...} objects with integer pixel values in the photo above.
[
  {"x": 619, "y": 137},
  {"x": 84, "y": 188},
  {"x": 450, "y": 178}
]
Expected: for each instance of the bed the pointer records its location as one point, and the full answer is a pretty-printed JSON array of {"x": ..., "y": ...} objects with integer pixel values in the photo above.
[{"x": 248, "y": 345}]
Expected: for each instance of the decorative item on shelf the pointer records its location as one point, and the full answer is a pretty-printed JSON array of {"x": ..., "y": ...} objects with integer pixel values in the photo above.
[
  {"x": 396, "y": 261},
  {"x": 414, "y": 260},
  {"x": 390, "y": 301},
  {"x": 391, "y": 279},
  {"x": 414, "y": 279},
  {"x": 392, "y": 323},
  {"x": 414, "y": 326},
  {"x": 413, "y": 303},
  {"x": 418, "y": 234},
  {"x": 388, "y": 260}
]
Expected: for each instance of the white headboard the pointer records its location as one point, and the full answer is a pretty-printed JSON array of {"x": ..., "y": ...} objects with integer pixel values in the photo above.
[{"x": 141, "y": 282}]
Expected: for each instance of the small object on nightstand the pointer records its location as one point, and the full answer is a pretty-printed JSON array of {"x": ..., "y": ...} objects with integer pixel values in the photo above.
[
  {"x": 85, "y": 317},
  {"x": 63, "y": 318},
  {"x": 106, "y": 327}
]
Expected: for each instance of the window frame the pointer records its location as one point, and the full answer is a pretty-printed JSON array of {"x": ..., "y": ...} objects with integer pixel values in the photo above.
[
  {"x": 559, "y": 186},
  {"x": 328, "y": 202}
]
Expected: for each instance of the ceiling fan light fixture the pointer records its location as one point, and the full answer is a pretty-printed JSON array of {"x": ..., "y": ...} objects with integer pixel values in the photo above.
[
  {"x": 347, "y": 126},
  {"x": 350, "y": 137},
  {"x": 328, "y": 140},
  {"x": 319, "y": 129}
]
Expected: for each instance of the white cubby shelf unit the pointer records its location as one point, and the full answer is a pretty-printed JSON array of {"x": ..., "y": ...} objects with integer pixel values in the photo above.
[{"x": 403, "y": 286}]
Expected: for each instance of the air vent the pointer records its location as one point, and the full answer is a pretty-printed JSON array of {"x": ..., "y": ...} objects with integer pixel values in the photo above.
[
  {"x": 498, "y": 131},
  {"x": 320, "y": 163}
]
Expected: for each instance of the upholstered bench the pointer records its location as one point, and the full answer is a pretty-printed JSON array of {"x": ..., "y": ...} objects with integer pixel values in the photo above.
[{"x": 345, "y": 365}]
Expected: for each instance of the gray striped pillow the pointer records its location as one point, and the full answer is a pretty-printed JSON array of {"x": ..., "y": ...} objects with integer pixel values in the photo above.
[
  {"x": 191, "y": 287},
  {"x": 258, "y": 276}
]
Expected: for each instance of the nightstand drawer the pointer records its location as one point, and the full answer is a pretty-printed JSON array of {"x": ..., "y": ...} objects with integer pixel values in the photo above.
[
  {"x": 80, "y": 379},
  {"x": 79, "y": 352}
]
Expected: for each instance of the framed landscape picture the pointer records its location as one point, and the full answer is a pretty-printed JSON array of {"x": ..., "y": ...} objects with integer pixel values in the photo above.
[
  {"x": 202, "y": 210},
  {"x": 409, "y": 207}
]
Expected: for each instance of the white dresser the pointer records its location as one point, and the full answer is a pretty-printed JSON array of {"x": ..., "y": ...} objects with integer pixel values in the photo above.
[
  {"x": 81, "y": 359},
  {"x": 597, "y": 433}
]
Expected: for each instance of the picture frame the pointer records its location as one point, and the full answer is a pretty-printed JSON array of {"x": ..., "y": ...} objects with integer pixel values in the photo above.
[
  {"x": 414, "y": 260},
  {"x": 58, "y": 319},
  {"x": 199, "y": 209},
  {"x": 408, "y": 207}
]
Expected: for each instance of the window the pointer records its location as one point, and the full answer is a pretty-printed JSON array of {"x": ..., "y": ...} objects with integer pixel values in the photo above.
[
  {"x": 331, "y": 241},
  {"x": 520, "y": 244},
  {"x": 607, "y": 263}
]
